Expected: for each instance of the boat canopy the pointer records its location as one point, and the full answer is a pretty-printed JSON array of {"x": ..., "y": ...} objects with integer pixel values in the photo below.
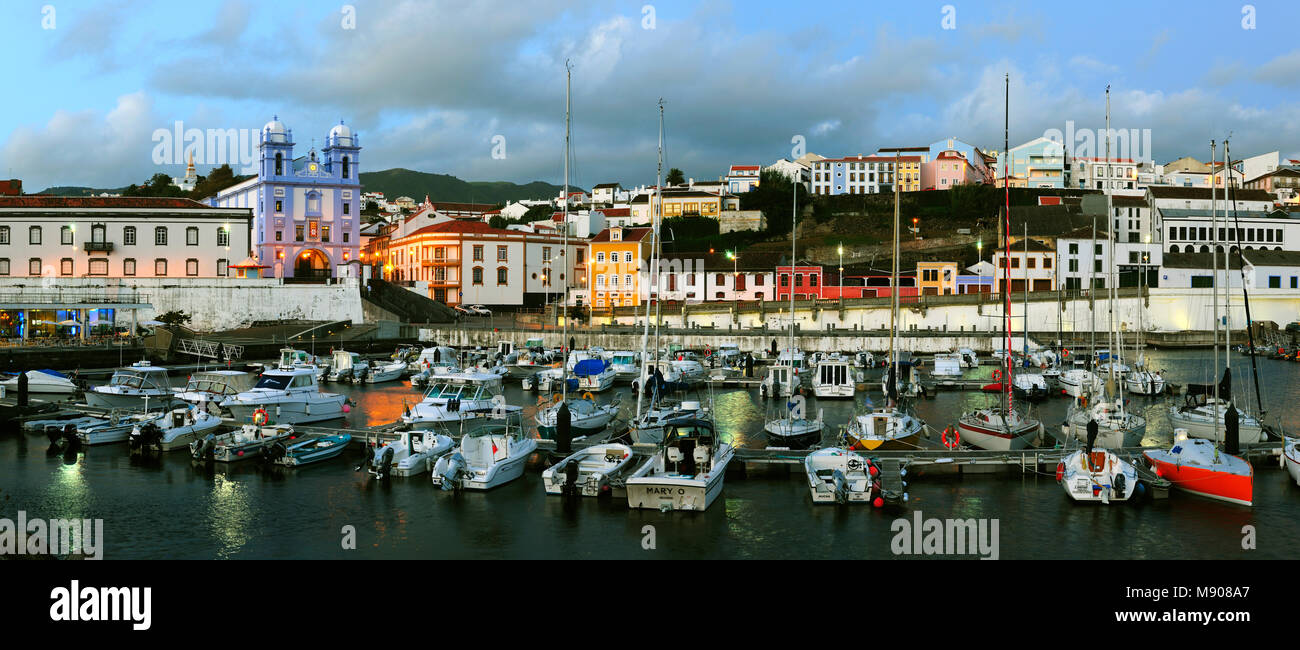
[{"x": 589, "y": 367}]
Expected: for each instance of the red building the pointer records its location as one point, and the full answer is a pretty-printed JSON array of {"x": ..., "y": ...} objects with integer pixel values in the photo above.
[
  {"x": 11, "y": 187},
  {"x": 813, "y": 281}
]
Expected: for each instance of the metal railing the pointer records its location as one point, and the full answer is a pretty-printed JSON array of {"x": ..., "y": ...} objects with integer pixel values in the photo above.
[{"x": 108, "y": 295}]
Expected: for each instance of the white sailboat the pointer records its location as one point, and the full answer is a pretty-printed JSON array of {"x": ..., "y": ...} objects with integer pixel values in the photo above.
[{"x": 1291, "y": 458}]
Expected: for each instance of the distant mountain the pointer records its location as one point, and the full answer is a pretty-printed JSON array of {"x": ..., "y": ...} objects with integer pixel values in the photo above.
[
  {"x": 79, "y": 191},
  {"x": 442, "y": 187}
]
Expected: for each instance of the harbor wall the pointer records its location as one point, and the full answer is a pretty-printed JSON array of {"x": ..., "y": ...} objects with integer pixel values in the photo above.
[{"x": 215, "y": 303}]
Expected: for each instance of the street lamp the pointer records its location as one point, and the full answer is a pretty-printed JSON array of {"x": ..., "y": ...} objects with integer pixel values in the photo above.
[
  {"x": 916, "y": 230},
  {"x": 840, "y": 249},
  {"x": 735, "y": 273}
]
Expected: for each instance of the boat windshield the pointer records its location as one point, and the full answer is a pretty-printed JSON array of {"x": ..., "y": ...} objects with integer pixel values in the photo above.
[
  {"x": 624, "y": 359},
  {"x": 131, "y": 379},
  {"x": 444, "y": 391},
  {"x": 274, "y": 382}
]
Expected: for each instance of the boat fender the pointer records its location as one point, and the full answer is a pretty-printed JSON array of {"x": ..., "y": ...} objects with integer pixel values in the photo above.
[{"x": 1060, "y": 471}]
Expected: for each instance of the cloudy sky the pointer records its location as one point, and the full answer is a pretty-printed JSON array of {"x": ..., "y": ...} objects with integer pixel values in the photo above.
[{"x": 429, "y": 85}]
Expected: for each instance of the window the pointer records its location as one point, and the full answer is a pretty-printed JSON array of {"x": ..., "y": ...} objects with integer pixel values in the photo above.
[
  {"x": 501, "y": 254},
  {"x": 279, "y": 235},
  {"x": 4, "y": 269},
  {"x": 478, "y": 273},
  {"x": 191, "y": 266},
  {"x": 613, "y": 280},
  {"x": 758, "y": 280},
  {"x": 279, "y": 206},
  {"x": 325, "y": 233},
  {"x": 98, "y": 266},
  {"x": 297, "y": 233},
  {"x": 1033, "y": 262},
  {"x": 279, "y": 166},
  {"x": 1293, "y": 278},
  {"x": 34, "y": 266},
  {"x": 478, "y": 255},
  {"x": 191, "y": 236},
  {"x": 600, "y": 281},
  {"x": 223, "y": 267},
  {"x": 347, "y": 163},
  {"x": 1047, "y": 262},
  {"x": 546, "y": 253},
  {"x": 65, "y": 235},
  {"x": 160, "y": 236},
  {"x": 812, "y": 280},
  {"x": 1275, "y": 282},
  {"x": 98, "y": 233},
  {"x": 128, "y": 266},
  {"x": 1132, "y": 257},
  {"x": 627, "y": 256},
  {"x": 65, "y": 266},
  {"x": 346, "y": 236},
  {"x": 347, "y": 208},
  {"x": 1096, "y": 266},
  {"x": 1074, "y": 249},
  {"x": 160, "y": 267},
  {"x": 1074, "y": 266},
  {"x": 627, "y": 280},
  {"x": 34, "y": 235},
  {"x": 502, "y": 275},
  {"x": 4, "y": 235},
  {"x": 785, "y": 280},
  {"x": 600, "y": 256},
  {"x": 223, "y": 237}
]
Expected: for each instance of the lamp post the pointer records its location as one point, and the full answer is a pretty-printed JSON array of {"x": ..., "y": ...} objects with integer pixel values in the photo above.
[
  {"x": 735, "y": 275},
  {"x": 840, "y": 249}
]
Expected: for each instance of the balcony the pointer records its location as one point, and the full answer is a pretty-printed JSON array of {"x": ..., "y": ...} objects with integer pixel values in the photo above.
[{"x": 99, "y": 247}]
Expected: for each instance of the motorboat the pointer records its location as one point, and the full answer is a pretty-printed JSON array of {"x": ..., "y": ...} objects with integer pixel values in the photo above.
[
  {"x": 1198, "y": 466},
  {"x": 211, "y": 387},
  {"x": 1145, "y": 382},
  {"x": 969, "y": 359},
  {"x": 292, "y": 358},
  {"x": 650, "y": 428},
  {"x": 311, "y": 450},
  {"x": 46, "y": 382},
  {"x": 778, "y": 381},
  {"x": 380, "y": 373},
  {"x": 1078, "y": 382},
  {"x": 1029, "y": 385},
  {"x": 686, "y": 473},
  {"x": 489, "y": 456},
  {"x": 586, "y": 417},
  {"x": 286, "y": 396},
  {"x": 343, "y": 365},
  {"x": 883, "y": 428},
  {"x": 689, "y": 370},
  {"x": 832, "y": 377},
  {"x": 129, "y": 388},
  {"x": 433, "y": 355},
  {"x": 174, "y": 430},
  {"x": 1116, "y": 427},
  {"x": 410, "y": 454},
  {"x": 454, "y": 398},
  {"x": 907, "y": 379},
  {"x": 947, "y": 364},
  {"x": 248, "y": 441},
  {"x": 1097, "y": 475},
  {"x": 37, "y": 426},
  {"x": 594, "y": 375},
  {"x": 839, "y": 475},
  {"x": 662, "y": 378},
  {"x": 587, "y": 472},
  {"x": 115, "y": 428},
  {"x": 432, "y": 371},
  {"x": 996, "y": 429},
  {"x": 626, "y": 365}
]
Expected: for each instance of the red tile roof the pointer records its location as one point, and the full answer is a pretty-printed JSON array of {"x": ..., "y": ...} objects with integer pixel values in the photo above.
[
  {"x": 616, "y": 212},
  {"x": 629, "y": 234},
  {"x": 109, "y": 202}
]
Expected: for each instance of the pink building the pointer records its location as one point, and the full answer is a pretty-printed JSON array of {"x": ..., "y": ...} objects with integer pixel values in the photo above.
[{"x": 950, "y": 168}]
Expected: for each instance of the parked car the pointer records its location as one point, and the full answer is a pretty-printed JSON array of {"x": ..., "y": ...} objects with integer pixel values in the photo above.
[
  {"x": 479, "y": 310},
  {"x": 461, "y": 311}
]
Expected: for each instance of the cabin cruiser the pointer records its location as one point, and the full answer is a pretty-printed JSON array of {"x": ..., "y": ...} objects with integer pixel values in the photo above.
[
  {"x": 586, "y": 418},
  {"x": 686, "y": 473},
  {"x": 457, "y": 398},
  {"x": 1077, "y": 382},
  {"x": 993, "y": 429},
  {"x": 649, "y": 428},
  {"x": 832, "y": 377},
  {"x": 969, "y": 359},
  {"x": 1196, "y": 465},
  {"x": 286, "y": 396},
  {"x": 410, "y": 454},
  {"x": 947, "y": 364},
  {"x": 488, "y": 456},
  {"x": 1029, "y": 385},
  {"x": 1097, "y": 475},
  {"x": 130, "y": 388},
  {"x": 838, "y": 475},
  {"x": 594, "y": 375},
  {"x": 378, "y": 373},
  {"x": 174, "y": 430},
  {"x": 626, "y": 365},
  {"x": 883, "y": 428},
  {"x": 587, "y": 472},
  {"x": 1116, "y": 427},
  {"x": 779, "y": 381},
  {"x": 243, "y": 443},
  {"x": 211, "y": 387},
  {"x": 343, "y": 365},
  {"x": 41, "y": 381}
]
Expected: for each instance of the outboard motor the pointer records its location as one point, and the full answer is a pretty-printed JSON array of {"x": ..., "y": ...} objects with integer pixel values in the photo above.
[
  {"x": 841, "y": 486},
  {"x": 382, "y": 462},
  {"x": 204, "y": 449},
  {"x": 64, "y": 437},
  {"x": 1120, "y": 483},
  {"x": 273, "y": 452},
  {"x": 359, "y": 374},
  {"x": 145, "y": 436},
  {"x": 452, "y": 468}
]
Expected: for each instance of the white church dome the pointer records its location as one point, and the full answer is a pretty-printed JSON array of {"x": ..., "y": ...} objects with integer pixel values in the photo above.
[
  {"x": 341, "y": 134},
  {"x": 273, "y": 129}
]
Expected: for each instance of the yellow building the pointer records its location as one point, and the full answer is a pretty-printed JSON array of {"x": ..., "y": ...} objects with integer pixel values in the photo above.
[
  {"x": 937, "y": 278},
  {"x": 615, "y": 260}
]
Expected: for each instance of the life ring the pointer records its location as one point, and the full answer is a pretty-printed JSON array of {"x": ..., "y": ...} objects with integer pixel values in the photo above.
[
  {"x": 708, "y": 351},
  {"x": 260, "y": 417},
  {"x": 1060, "y": 471},
  {"x": 587, "y": 396},
  {"x": 1083, "y": 401},
  {"x": 556, "y": 398},
  {"x": 997, "y": 375},
  {"x": 951, "y": 438}
]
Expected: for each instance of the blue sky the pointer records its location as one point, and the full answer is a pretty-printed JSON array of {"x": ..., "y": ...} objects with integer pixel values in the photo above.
[{"x": 429, "y": 84}]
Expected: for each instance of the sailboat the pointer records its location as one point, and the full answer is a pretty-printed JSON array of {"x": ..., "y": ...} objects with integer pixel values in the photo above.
[
  {"x": 888, "y": 427},
  {"x": 1143, "y": 380},
  {"x": 1291, "y": 458},
  {"x": 794, "y": 430},
  {"x": 1115, "y": 426},
  {"x": 1003, "y": 427},
  {"x": 1197, "y": 465}
]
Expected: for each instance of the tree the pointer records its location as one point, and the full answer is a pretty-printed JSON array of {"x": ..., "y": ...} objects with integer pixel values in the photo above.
[
  {"x": 675, "y": 177},
  {"x": 773, "y": 198},
  {"x": 218, "y": 179},
  {"x": 174, "y": 318}
]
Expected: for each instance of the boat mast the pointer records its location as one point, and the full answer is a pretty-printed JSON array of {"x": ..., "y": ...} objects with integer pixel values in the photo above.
[
  {"x": 1006, "y": 262},
  {"x": 1024, "y": 340},
  {"x": 1214, "y": 289},
  {"x": 659, "y": 245},
  {"x": 893, "y": 311},
  {"x": 564, "y": 327},
  {"x": 794, "y": 218},
  {"x": 654, "y": 241},
  {"x": 1245, "y": 295}
]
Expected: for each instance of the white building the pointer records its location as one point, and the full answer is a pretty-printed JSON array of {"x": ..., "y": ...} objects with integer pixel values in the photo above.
[
  {"x": 120, "y": 237},
  {"x": 1265, "y": 270},
  {"x": 1031, "y": 261},
  {"x": 605, "y": 193}
]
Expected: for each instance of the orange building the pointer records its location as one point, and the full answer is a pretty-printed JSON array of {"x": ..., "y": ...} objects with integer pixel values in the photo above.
[
  {"x": 937, "y": 278},
  {"x": 615, "y": 259}
]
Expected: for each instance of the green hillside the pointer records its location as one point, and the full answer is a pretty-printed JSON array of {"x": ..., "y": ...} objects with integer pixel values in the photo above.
[{"x": 442, "y": 187}]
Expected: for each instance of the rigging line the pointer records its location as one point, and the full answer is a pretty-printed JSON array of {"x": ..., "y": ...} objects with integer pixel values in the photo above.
[{"x": 1245, "y": 295}]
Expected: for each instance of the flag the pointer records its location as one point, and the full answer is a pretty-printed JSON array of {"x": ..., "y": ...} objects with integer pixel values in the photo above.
[{"x": 494, "y": 448}]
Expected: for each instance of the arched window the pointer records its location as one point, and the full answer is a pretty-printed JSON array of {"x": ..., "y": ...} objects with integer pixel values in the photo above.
[
  {"x": 346, "y": 163},
  {"x": 1204, "y": 248},
  {"x": 1173, "y": 249},
  {"x": 279, "y": 163}
]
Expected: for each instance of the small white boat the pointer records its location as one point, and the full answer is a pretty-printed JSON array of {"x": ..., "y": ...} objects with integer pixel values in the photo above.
[
  {"x": 343, "y": 365},
  {"x": 131, "y": 386},
  {"x": 116, "y": 428},
  {"x": 650, "y": 427},
  {"x": 837, "y": 475},
  {"x": 286, "y": 396},
  {"x": 687, "y": 473},
  {"x": 594, "y": 375},
  {"x": 586, "y": 417},
  {"x": 1101, "y": 476},
  {"x": 41, "y": 381},
  {"x": 587, "y": 472},
  {"x": 380, "y": 373},
  {"x": 1077, "y": 382},
  {"x": 1291, "y": 458},
  {"x": 1029, "y": 385},
  {"x": 832, "y": 377},
  {"x": 492, "y": 455},
  {"x": 883, "y": 428},
  {"x": 211, "y": 387},
  {"x": 451, "y": 399},
  {"x": 794, "y": 430},
  {"x": 410, "y": 454},
  {"x": 969, "y": 359},
  {"x": 1116, "y": 427},
  {"x": 947, "y": 365},
  {"x": 243, "y": 443},
  {"x": 779, "y": 381},
  {"x": 907, "y": 379},
  {"x": 174, "y": 430},
  {"x": 1197, "y": 415},
  {"x": 992, "y": 429},
  {"x": 626, "y": 365}
]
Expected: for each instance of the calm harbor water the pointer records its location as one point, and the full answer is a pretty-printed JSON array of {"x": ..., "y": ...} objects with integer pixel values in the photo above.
[{"x": 173, "y": 510}]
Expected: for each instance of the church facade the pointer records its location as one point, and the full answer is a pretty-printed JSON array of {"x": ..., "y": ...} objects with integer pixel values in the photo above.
[{"x": 306, "y": 221}]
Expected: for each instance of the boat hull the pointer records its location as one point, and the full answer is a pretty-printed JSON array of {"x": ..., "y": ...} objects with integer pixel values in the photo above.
[
  {"x": 128, "y": 401},
  {"x": 994, "y": 439},
  {"x": 1200, "y": 427},
  {"x": 289, "y": 412},
  {"x": 1222, "y": 486}
]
